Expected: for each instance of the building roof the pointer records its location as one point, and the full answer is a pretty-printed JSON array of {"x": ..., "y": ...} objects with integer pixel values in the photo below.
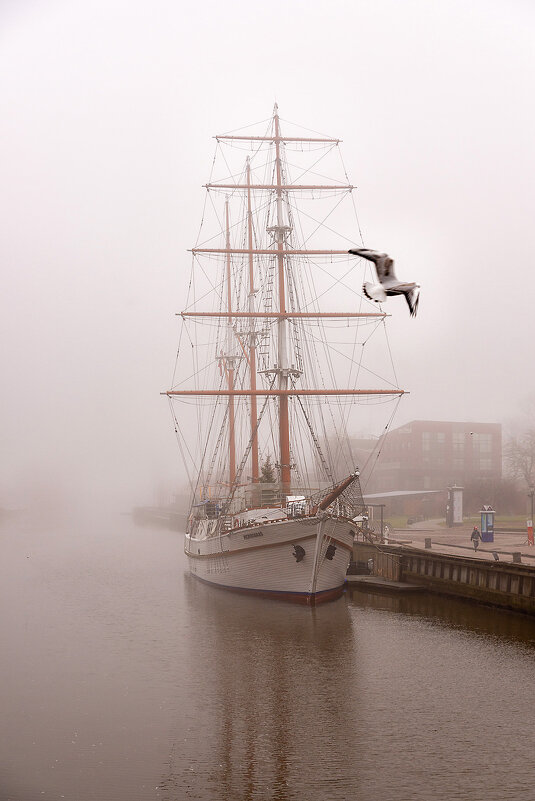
[
  {"x": 400, "y": 494},
  {"x": 465, "y": 424}
]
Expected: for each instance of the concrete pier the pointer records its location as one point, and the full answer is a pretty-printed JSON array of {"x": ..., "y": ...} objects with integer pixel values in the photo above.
[
  {"x": 506, "y": 584},
  {"x": 382, "y": 584}
]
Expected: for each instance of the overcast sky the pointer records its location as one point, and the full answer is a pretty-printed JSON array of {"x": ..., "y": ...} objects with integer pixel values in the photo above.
[{"x": 108, "y": 113}]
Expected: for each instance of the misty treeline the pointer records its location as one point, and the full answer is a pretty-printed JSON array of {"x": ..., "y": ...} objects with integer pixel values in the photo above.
[
  {"x": 504, "y": 495},
  {"x": 520, "y": 457},
  {"x": 508, "y": 495}
]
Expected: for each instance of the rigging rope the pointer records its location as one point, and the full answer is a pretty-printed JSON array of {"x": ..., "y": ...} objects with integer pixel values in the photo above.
[
  {"x": 228, "y": 502},
  {"x": 380, "y": 443},
  {"x": 176, "y": 427},
  {"x": 352, "y": 197},
  {"x": 311, "y": 351},
  {"x": 316, "y": 442}
]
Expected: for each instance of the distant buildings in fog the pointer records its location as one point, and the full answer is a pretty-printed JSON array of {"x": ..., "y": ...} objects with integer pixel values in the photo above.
[{"x": 432, "y": 455}]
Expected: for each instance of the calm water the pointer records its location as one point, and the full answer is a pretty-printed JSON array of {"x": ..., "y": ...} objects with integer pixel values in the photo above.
[{"x": 122, "y": 679}]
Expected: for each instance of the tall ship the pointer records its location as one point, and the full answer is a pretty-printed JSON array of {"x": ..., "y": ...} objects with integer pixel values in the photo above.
[{"x": 278, "y": 352}]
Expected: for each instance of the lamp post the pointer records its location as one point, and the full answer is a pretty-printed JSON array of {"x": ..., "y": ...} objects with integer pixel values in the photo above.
[
  {"x": 380, "y": 506},
  {"x": 531, "y": 493}
]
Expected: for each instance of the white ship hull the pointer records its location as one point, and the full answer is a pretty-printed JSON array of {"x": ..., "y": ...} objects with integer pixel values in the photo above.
[{"x": 266, "y": 559}]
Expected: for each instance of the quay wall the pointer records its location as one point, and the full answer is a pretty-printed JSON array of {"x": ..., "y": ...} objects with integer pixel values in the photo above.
[{"x": 498, "y": 583}]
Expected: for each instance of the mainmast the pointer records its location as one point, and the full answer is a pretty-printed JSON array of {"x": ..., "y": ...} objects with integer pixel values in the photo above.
[
  {"x": 252, "y": 334},
  {"x": 280, "y": 230}
]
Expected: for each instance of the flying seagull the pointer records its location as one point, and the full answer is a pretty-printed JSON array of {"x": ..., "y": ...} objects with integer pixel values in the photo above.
[{"x": 388, "y": 283}]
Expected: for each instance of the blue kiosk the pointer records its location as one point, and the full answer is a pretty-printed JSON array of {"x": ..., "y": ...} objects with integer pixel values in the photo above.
[{"x": 487, "y": 524}]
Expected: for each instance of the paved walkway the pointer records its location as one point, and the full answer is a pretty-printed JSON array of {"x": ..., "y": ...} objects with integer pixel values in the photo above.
[{"x": 456, "y": 541}]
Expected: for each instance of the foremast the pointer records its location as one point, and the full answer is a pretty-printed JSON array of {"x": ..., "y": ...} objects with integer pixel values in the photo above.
[{"x": 229, "y": 356}]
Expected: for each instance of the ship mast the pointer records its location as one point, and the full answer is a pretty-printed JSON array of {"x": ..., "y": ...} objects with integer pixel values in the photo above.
[
  {"x": 252, "y": 335},
  {"x": 280, "y": 230},
  {"x": 229, "y": 357},
  {"x": 282, "y": 251}
]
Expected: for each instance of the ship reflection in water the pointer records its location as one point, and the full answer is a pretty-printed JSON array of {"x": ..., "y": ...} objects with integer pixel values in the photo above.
[
  {"x": 274, "y": 677},
  {"x": 368, "y": 697}
]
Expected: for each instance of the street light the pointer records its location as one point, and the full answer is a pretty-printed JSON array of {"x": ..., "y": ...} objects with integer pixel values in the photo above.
[{"x": 531, "y": 493}]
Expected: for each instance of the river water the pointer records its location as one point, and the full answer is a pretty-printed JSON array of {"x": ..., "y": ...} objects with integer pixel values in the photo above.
[{"x": 124, "y": 679}]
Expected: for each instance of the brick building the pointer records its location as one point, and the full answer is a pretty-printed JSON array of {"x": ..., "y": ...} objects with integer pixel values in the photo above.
[{"x": 432, "y": 455}]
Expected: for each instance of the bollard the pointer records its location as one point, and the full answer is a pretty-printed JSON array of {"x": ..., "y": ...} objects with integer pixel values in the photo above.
[
  {"x": 428, "y": 542},
  {"x": 517, "y": 557}
]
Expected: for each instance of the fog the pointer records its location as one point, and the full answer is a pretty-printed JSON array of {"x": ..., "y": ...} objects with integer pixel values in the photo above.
[{"x": 108, "y": 114}]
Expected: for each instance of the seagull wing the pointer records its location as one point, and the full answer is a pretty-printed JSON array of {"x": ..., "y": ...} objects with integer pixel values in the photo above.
[
  {"x": 413, "y": 298},
  {"x": 374, "y": 292},
  {"x": 383, "y": 263},
  {"x": 385, "y": 268}
]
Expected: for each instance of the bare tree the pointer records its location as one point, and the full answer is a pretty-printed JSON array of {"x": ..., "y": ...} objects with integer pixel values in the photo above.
[
  {"x": 503, "y": 494},
  {"x": 520, "y": 456}
]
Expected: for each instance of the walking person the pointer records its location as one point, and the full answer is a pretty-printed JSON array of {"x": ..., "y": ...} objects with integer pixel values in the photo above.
[{"x": 475, "y": 536}]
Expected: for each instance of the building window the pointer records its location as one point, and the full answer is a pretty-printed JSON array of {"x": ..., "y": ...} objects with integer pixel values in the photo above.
[
  {"x": 485, "y": 464},
  {"x": 426, "y": 440},
  {"x": 457, "y": 439},
  {"x": 485, "y": 443},
  {"x": 482, "y": 442}
]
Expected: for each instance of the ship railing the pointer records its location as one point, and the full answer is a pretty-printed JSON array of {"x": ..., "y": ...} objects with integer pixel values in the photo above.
[{"x": 207, "y": 510}]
